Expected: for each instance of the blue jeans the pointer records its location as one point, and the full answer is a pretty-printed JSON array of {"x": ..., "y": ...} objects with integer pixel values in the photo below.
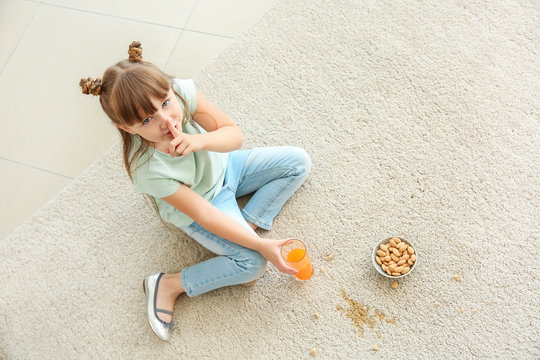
[{"x": 272, "y": 174}]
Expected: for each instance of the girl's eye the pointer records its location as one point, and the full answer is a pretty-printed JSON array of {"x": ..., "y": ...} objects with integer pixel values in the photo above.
[
  {"x": 146, "y": 121},
  {"x": 166, "y": 103}
]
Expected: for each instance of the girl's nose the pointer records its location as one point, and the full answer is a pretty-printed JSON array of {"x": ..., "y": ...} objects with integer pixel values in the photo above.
[{"x": 164, "y": 123}]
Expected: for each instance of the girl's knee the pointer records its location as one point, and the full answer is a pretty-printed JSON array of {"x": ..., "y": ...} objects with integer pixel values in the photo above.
[
  {"x": 256, "y": 266},
  {"x": 302, "y": 160}
]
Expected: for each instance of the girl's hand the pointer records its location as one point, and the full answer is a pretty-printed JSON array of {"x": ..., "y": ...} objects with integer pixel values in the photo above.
[
  {"x": 271, "y": 250},
  {"x": 182, "y": 144}
]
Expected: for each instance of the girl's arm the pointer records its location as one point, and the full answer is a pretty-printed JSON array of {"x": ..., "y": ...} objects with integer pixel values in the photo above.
[
  {"x": 223, "y": 135},
  {"x": 219, "y": 223}
]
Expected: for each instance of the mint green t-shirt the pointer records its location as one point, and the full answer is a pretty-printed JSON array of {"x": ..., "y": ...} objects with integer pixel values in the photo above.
[{"x": 160, "y": 176}]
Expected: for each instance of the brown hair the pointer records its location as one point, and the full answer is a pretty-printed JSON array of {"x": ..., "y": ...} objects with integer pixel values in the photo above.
[{"x": 126, "y": 92}]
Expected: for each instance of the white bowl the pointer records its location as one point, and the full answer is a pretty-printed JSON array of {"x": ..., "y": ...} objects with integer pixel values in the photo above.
[{"x": 379, "y": 268}]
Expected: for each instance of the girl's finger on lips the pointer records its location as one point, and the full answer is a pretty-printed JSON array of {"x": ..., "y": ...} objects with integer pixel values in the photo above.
[{"x": 172, "y": 128}]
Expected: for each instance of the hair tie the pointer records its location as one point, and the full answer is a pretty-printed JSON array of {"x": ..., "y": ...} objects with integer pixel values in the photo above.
[
  {"x": 90, "y": 86},
  {"x": 135, "y": 52}
]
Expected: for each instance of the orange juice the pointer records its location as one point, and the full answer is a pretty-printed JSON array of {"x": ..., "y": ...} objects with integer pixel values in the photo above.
[
  {"x": 299, "y": 259},
  {"x": 295, "y": 255}
]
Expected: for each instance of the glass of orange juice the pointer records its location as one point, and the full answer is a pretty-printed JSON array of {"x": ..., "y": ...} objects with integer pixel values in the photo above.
[{"x": 295, "y": 255}]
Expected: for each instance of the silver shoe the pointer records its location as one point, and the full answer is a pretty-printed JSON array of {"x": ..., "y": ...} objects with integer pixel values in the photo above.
[{"x": 161, "y": 328}]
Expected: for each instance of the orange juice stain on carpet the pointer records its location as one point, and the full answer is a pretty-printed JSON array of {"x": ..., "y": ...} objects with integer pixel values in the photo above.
[{"x": 360, "y": 317}]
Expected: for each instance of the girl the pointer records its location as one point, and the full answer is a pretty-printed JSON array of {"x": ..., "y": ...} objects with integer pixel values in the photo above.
[{"x": 182, "y": 151}]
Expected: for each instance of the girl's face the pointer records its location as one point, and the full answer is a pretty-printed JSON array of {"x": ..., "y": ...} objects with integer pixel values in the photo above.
[{"x": 153, "y": 127}]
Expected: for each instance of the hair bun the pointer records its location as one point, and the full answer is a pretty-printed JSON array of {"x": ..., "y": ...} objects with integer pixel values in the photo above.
[
  {"x": 90, "y": 86},
  {"x": 135, "y": 52}
]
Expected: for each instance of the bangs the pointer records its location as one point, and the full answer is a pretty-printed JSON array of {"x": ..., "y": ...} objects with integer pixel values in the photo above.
[{"x": 134, "y": 92}]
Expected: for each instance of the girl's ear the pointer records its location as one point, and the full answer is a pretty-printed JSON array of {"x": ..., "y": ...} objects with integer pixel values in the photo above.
[{"x": 126, "y": 129}]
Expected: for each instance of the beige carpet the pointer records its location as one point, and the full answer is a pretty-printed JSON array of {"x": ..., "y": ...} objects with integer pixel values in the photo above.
[{"x": 422, "y": 120}]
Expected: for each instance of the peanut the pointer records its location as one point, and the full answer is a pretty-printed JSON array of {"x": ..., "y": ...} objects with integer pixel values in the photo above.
[
  {"x": 394, "y": 285},
  {"x": 403, "y": 247},
  {"x": 331, "y": 256},
  {"x": 395, "y": 257},
  {"x": 313, "y": 352}
]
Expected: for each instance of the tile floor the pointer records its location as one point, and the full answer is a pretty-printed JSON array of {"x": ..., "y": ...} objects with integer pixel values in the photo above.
[{"x": 50, "y": 131}]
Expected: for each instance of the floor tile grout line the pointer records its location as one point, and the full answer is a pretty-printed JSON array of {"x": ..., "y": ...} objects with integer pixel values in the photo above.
[
  {"x": 180, "y": 35},
  {"x": 36, "y": 168},
  {"x": 21, "y": 38},
  {"x": 207, "y": 33},
  {"x": 135, "y": 20},
  {"x": 108, "y": 15}
]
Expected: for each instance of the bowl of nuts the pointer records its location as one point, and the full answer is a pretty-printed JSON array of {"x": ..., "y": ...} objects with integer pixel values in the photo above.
[{"x": 394, "y": 257}]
